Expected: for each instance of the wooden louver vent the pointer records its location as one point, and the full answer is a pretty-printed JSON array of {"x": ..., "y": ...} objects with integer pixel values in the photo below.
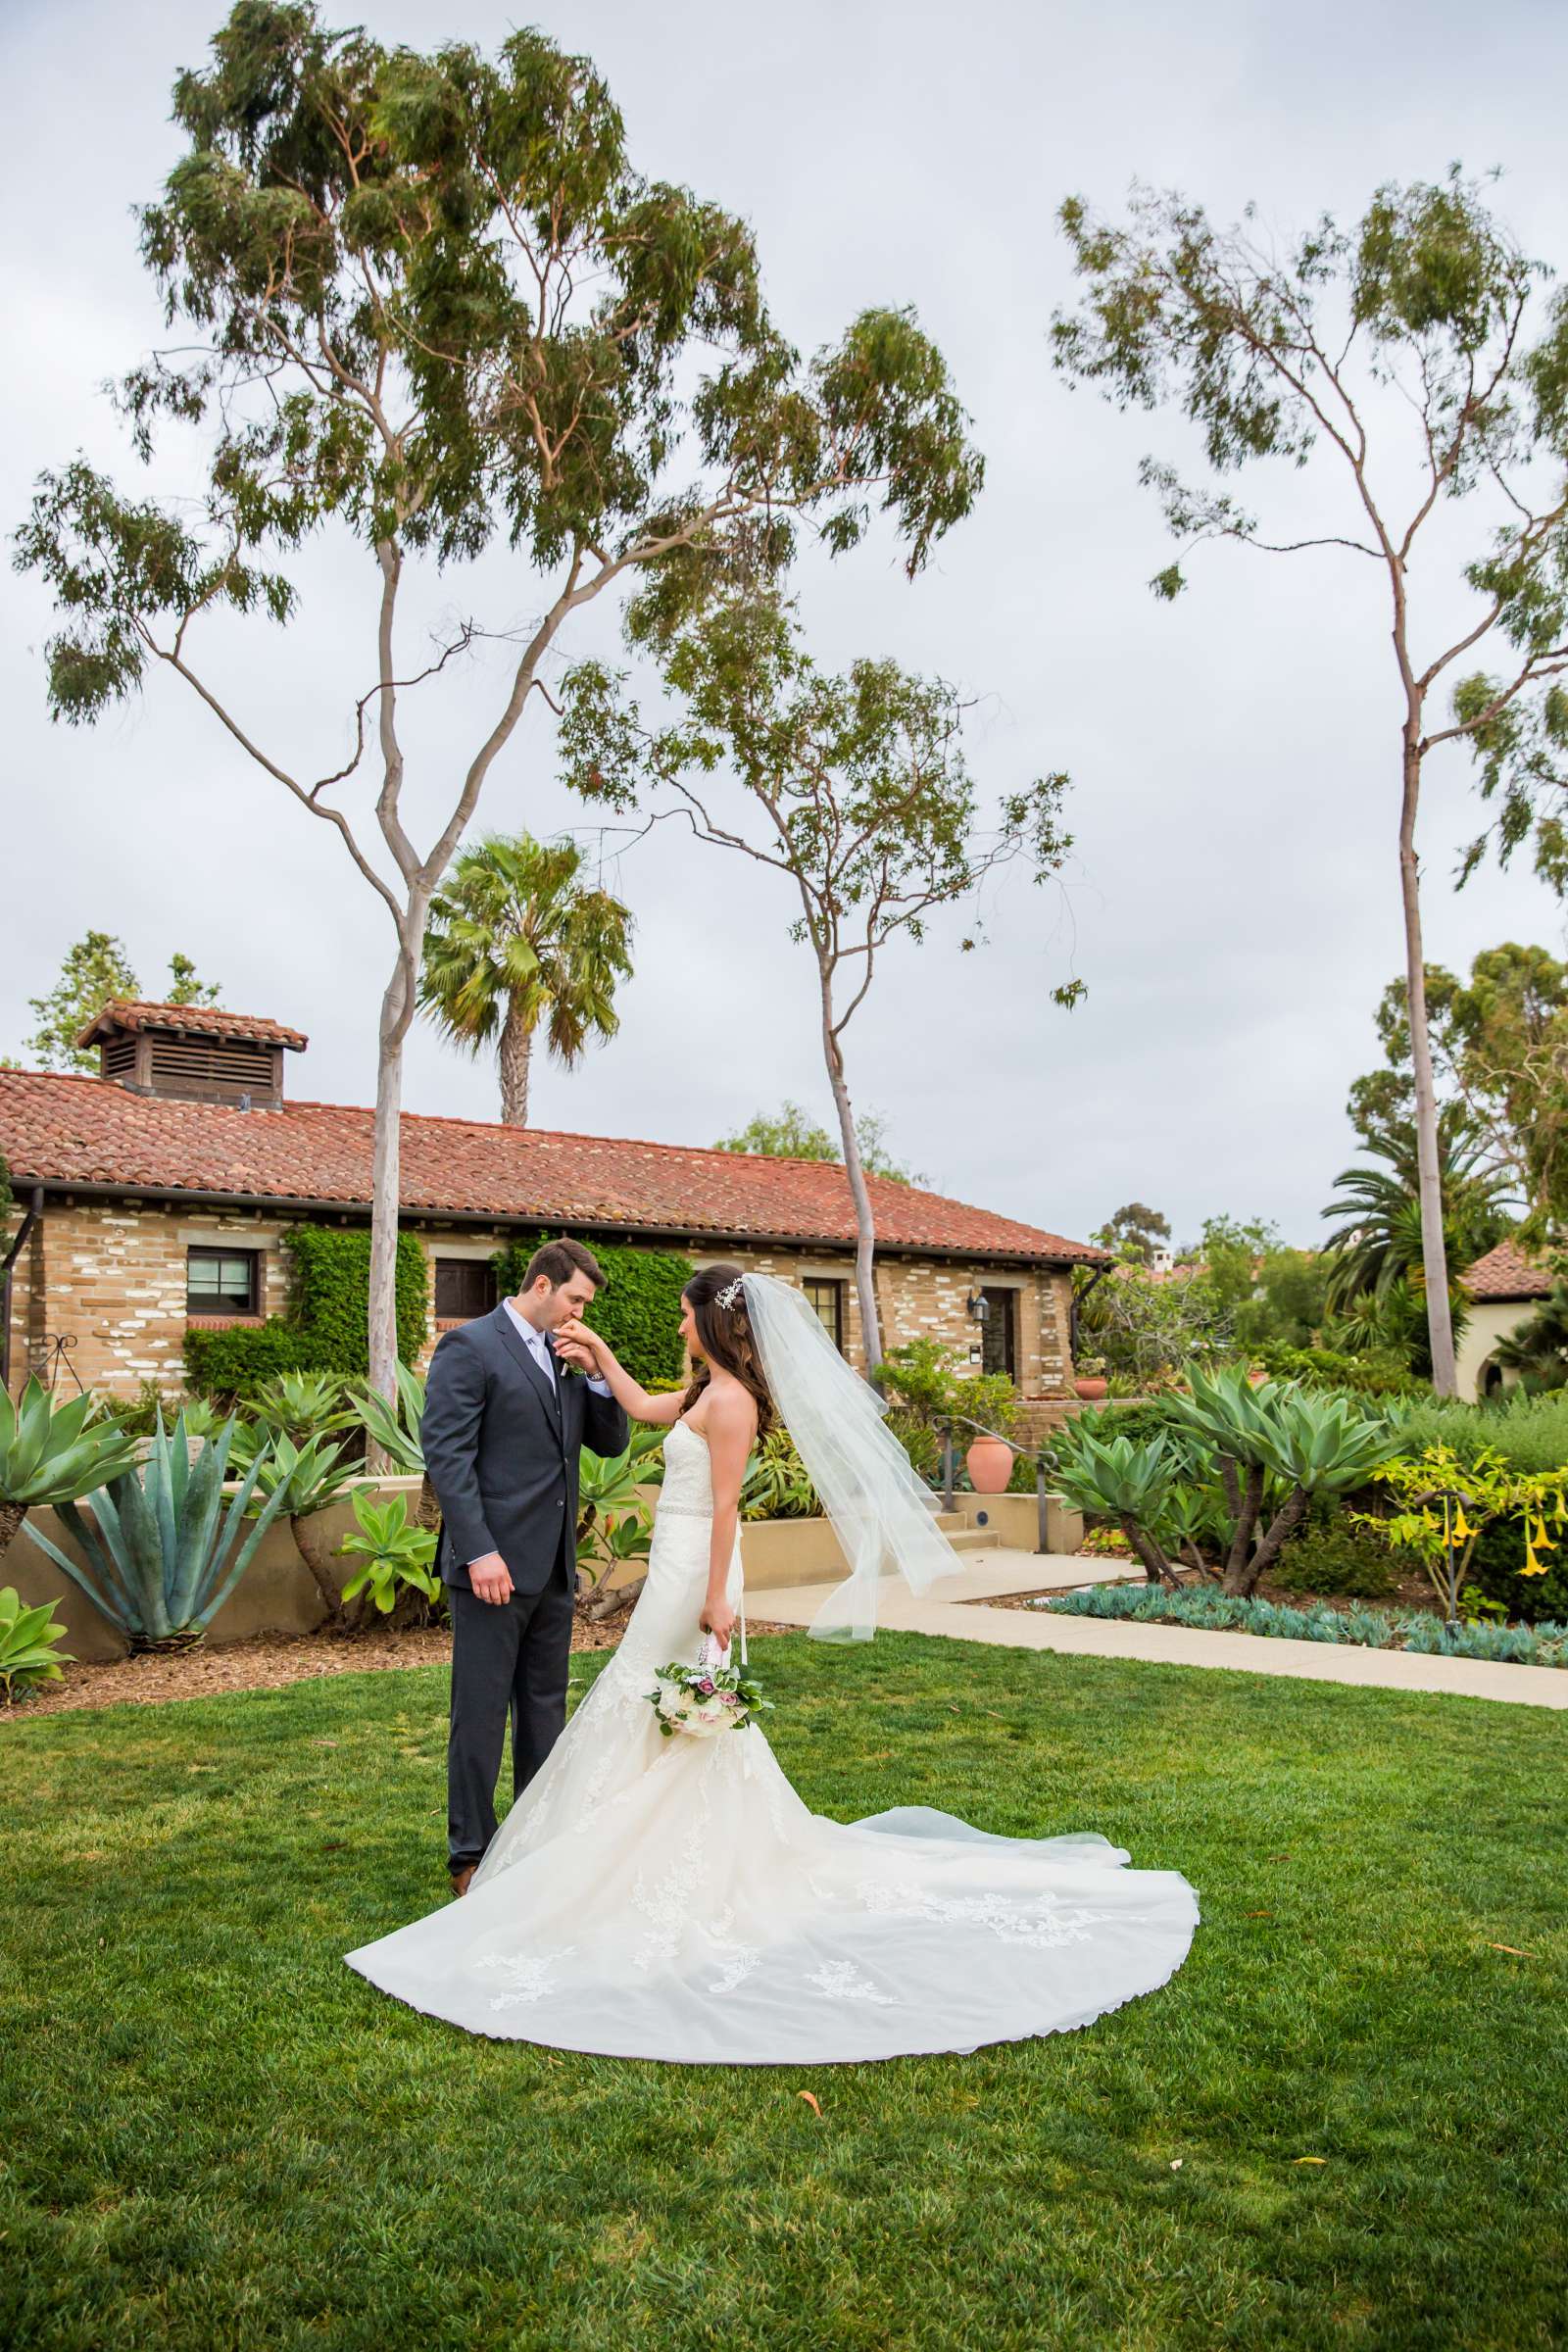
[
  {"x": 119, "y": 1057},
  {"x": 213, "y": 1067}
]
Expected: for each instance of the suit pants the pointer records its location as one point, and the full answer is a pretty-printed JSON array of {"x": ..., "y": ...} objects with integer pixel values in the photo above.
[{"x": 509, "y": 1663}]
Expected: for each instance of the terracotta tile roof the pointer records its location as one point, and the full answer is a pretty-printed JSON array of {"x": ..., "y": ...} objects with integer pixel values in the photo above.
[
  {"x": 1506, "y": 1272},
  {"x": 203, "y": 1020},
  {"x": 72, "y": 1132}
]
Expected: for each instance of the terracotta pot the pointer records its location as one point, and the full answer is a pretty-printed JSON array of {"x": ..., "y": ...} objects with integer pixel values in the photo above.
[
  {"x": 1092, "y": 1389},
  {"x": 990, "y": 1465}
]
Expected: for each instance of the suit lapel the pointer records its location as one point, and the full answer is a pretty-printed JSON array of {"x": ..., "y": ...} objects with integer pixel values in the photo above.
[{"x": 545, "y": 1388}]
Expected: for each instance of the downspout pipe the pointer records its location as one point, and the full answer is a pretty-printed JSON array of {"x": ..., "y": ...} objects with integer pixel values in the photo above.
[{"x": 34, "y": 1210}]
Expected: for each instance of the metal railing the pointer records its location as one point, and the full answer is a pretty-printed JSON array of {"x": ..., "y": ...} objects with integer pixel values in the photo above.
[{"x": 1039, "y": 1456}]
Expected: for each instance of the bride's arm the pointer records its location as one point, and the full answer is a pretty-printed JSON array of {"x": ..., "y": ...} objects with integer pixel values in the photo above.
[
  {"x": 729, "y": 1424},
  {"x": 660, "y": 1411}
]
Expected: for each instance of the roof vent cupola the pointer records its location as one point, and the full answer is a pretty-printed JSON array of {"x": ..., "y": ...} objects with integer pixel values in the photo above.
[{"x": 195, "y": 1052}]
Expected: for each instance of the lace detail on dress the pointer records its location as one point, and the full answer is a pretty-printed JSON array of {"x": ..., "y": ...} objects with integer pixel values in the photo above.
[
  {"x": 736, "y": 1960},
  {"x": 529, "y": 1974},
  {"x": 842, "y": 1981},
  {"x": 1041, "y": 1922}
]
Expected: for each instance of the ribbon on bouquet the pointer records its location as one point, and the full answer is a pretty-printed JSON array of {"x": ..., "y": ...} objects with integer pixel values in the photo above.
[{"x": 709, "y": 1654}]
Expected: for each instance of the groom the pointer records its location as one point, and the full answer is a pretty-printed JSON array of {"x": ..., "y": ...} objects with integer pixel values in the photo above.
[{"x": 504, "y": 1420}]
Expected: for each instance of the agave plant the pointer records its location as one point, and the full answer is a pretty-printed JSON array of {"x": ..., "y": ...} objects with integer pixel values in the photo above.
[
  {"x": 397, "y": 1559},
  {"x": 54, "y": 1454},
  {"x": 776, "y": 1484},
  {"x": 1125, "y": 1480},
  {"x": 305, "y": 1480},
  {"x": 164, "y": 1552},
  {"x": 27, "y": 1638},
  {"x": 614, "y": 1525},
  {"x": 1273, "y": 1447},
  {"x": 393, "y": 1431},
  {"x": 303, "y": 1405}
]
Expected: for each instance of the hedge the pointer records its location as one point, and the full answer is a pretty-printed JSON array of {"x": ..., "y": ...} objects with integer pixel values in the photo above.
[
  {"x": 638, "y": 1310},
  {"x": 325, "y": 1327}
]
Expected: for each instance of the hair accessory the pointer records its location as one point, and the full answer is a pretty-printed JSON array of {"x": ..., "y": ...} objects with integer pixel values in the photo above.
[{"x": 728, "y": 1295}]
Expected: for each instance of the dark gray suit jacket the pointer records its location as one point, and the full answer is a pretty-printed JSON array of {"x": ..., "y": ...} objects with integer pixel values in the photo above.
[{"x": 501, "y": 1445}]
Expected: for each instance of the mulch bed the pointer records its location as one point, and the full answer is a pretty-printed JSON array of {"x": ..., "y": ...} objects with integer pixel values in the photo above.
[{"x": 264, "y": 1662}]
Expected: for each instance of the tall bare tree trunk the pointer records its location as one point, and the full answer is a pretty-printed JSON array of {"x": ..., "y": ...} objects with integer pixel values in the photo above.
[
  {"x": 397, "y": 1011},
  {"x": 865, "y": 1216},
  {"x": 1434, "y": 1248},
  {"x": 516, "y": 1050}
]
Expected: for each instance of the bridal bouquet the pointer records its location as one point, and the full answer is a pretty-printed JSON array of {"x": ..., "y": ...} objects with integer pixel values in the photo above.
[{"x": 704, "y": 1699}]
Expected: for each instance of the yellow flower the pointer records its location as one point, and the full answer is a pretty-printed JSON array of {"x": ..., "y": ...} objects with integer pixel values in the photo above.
[
  {"x": 1539, "y": 1538},
  {"x": 1463, "y": 1529},
  {"x": 1532, "y": 1566}
]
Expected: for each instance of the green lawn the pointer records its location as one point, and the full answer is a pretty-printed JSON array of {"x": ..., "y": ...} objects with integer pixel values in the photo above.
[{"x": 213, "y": 2135}]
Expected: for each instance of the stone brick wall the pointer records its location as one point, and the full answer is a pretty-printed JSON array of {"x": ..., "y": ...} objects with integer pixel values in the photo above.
[
  {"x": 111, "y": 1278},
  {"x": 108, "y": 1278}
]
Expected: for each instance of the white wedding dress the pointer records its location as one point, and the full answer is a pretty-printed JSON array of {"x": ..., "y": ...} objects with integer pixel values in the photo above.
[{"x": 672, "y": 1897}]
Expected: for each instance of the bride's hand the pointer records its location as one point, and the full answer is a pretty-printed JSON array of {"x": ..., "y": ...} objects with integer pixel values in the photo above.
[
  {"x": 577, "y": 1336},
  {"x": 718, "y": 1619}
]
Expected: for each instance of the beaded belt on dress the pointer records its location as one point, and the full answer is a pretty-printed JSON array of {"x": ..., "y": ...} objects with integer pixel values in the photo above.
[{"x": 685, "y": 1510}]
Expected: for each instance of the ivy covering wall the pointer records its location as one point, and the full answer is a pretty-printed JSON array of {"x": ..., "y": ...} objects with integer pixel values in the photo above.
[
  {"x": 639, "y": 1308},
  {"x": 324, "y": 1328}
]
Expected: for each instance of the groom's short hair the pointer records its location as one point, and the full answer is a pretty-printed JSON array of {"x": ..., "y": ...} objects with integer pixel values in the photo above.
[{"x": 561, "y": 1260}]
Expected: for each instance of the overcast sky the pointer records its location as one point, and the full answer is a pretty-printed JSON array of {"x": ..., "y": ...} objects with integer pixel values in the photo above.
[{"x": 1232, "y": 902}]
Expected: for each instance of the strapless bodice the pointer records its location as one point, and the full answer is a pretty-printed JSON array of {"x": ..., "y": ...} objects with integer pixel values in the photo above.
[{"x": 688, "y": 1488}]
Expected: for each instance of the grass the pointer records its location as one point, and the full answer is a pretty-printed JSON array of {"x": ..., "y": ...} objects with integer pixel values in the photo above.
[{"x": 213, "y": 2135}]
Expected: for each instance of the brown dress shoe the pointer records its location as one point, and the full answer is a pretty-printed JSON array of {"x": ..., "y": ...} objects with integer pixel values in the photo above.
[{"x": 461, "y": 1878}]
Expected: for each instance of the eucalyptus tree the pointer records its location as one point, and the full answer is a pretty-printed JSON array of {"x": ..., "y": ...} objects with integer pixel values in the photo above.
[
  {"x": 1396, "y": 354},
  {"x": 517, "y": 940},
  {"x": 854, "y": 786},
  {"x": 425, "y": 302},
  {"x": 96, "y": 970}
]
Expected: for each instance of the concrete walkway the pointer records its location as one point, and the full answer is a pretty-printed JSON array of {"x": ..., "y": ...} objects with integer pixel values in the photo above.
[{"x": 951, "y": 1608}]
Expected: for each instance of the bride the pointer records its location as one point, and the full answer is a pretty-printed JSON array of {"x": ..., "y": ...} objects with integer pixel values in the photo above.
[{"x": 673, "y": 1897}]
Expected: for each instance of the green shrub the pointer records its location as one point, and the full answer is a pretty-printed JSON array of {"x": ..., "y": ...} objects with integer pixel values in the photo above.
[
  {"x": 638, "y": 1310},
  {"x": 1334, "y": 1556},
  {"x": 1377, "y": 1372},
  {"x": 1496, "y": 1570},
  {"x": 325, "y": 1327},
  {"x": 1531, "y": 1433}
]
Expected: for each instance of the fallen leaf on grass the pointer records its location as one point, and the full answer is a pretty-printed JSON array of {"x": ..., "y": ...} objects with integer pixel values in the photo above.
[
  {"x": 1258, "y": 1914},
  {"x": 811, "y": 2102},
  {"x": 1176, "y": 2163},
  {"x": 1309, "y": 2160},
  {"x": 1515, "y": 1949}
]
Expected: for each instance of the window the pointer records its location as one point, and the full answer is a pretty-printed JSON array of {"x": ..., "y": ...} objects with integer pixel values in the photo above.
[
  {"x": 999, "y": 1333},
  {"x": 827, "y": 1301},
  {"x": 465, "y": 1287},
  {"x": 221, "y": 1282}
]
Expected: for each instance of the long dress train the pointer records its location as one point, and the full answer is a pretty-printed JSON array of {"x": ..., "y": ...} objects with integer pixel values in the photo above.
[{"x": 674, "y": 1898}]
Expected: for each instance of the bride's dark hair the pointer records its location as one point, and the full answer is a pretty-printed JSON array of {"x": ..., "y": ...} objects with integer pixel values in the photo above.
[{"x": 725, "y": 1334}]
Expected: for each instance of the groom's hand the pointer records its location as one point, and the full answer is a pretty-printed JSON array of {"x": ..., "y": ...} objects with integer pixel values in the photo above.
[{"x": 491, "y": 1579}]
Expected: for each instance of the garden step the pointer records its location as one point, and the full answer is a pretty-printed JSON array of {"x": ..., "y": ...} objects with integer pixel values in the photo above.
[{"x": 969, "y": 1539}]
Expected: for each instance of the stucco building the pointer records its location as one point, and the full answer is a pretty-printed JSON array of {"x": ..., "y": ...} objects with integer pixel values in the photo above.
[
  {"x": 1504, "y": 1288},
  {"x": 157, "y": 1194}
]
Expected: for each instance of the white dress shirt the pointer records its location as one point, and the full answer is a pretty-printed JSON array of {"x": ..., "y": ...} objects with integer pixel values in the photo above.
[{"x": 539, "y": 1347}]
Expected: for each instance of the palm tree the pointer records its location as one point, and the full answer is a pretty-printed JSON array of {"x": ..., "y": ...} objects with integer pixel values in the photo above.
[
  {"x": 1376, "y": 1279},
  {"x": 514, "y": 940}
]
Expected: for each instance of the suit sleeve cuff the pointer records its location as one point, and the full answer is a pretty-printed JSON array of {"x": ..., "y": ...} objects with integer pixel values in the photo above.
[{"x": 600, "y": 1388}]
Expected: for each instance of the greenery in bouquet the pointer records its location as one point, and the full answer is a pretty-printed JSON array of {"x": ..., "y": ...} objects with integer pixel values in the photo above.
[{"x": 704, "y": 1699}]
